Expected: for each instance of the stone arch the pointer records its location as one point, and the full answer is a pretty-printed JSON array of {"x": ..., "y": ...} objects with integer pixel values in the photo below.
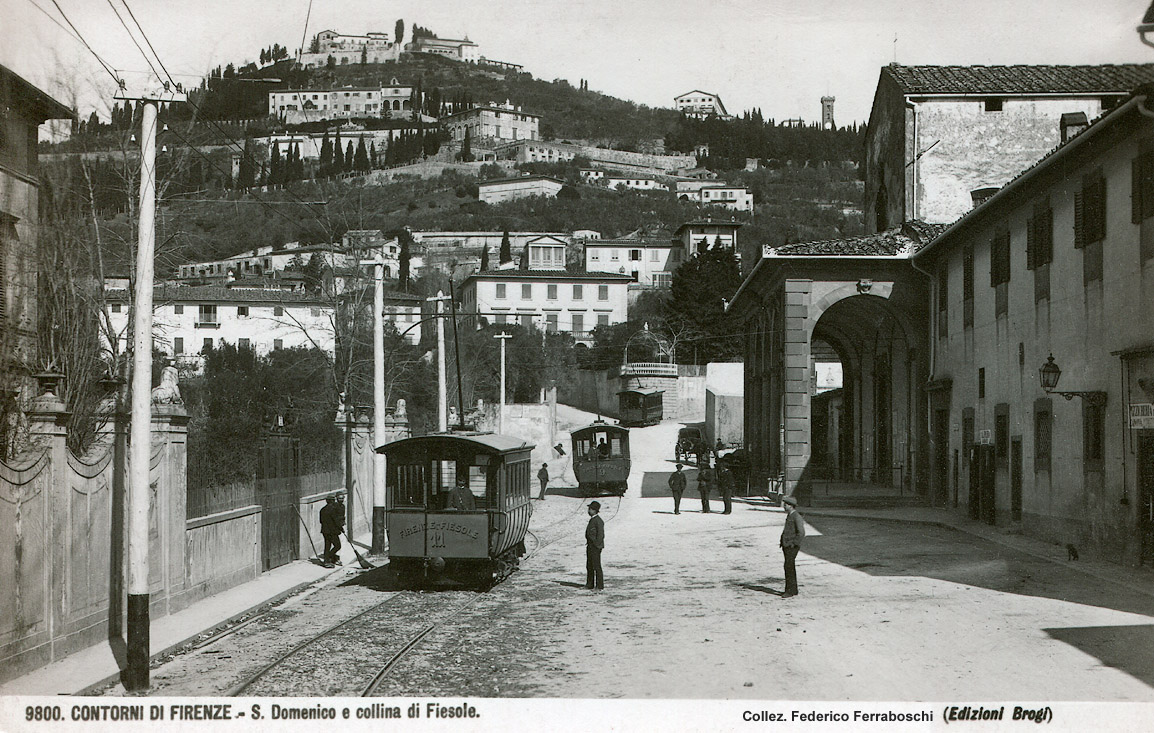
[{"x": 879, "y": 290}]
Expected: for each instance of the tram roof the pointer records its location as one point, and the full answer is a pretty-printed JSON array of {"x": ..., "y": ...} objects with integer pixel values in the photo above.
[
  {"x": 645, "y": 392},
  {"x": 489, "y": 442},
  {"x": 611, "y": 427}
]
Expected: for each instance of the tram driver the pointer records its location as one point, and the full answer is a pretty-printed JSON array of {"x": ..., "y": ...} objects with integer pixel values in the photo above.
[
  {"x": 461, "y": 498},
  {"x": 603, "y": 448}
]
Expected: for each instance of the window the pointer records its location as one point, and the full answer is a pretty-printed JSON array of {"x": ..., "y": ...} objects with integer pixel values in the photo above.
[
  {"x": 526, "y": 291},
  {"x": 614, "y": 255},
  {"x": 578, "y": 292},
  {"x": 968, "y": 286},
  {"x": 594, "y": 255},
  {"x": 663, "y": 279},
  {"x": 178, "y": 309},
  {"x": 551, "y": 291},
  {"x": 277, "y": 344},
  {"x": 654, "y": 255},
  {"x": 1000, "y": 259},
  {"x": 1093, "y": 435},
  {"x": 634, "y": 255},
  {"x": 526, "y": 321},
  {"x": 116, "y": 307},
  {"x": 177, "y": 346},
  {"x": 578, "y": 322},
  {"x": 243, "y": 344},
  {"x": 993, "y": 104},
  {"x": 602, "y": 319},
  {"x": 242, "y": 311},
  {"x": 1042, "y": 434},
  {"x": 602, "y": 292},
  {"x": 500, "y": 319},
  {"x": 207, "y": 316},
  {"x": 500, "y": 291},
  {"x": 278, "y": 311},
  {"x": 206, "y": 345},
  {"x": 1040, "y": 237},
  {"x": 943, "y": 299},
  {"x": 982, "y": 383},
  {"x": 1090, "y": 210},
  {"x": 551, "y": 322}
]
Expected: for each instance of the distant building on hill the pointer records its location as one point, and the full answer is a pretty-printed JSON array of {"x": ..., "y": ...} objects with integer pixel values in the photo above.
[
  {"x": 458, "y": 50},
  {"x": 493, "y": 122},
  {"x": 737, "y": 198},
  {"x": 310, "y": 105},
  {"x": 700, "y": 104},
  {"x": 709, "y": 234},
  {"x": 649, "y": 263},
  {"x": 371, "y": 48},
  {"x": 507, "y": 189}
]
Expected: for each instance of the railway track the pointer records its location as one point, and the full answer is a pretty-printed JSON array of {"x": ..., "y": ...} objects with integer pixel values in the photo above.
[{"x": 398, "y": 624}]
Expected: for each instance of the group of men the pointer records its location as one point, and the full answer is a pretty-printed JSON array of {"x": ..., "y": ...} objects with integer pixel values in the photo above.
[{"x": 706, "y": 479}]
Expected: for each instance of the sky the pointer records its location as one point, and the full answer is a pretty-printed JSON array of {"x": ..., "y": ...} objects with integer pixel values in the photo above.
[{"x": 777, "y": 55}]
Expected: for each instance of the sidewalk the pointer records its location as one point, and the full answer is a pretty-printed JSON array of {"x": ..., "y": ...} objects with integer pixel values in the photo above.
[
  {"x": 1140, "y": 579},
  {"x": 97, "y": 666}
]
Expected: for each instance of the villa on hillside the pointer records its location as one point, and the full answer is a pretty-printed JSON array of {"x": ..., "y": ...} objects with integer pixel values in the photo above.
[
  {"x": 314, "y": 104},
  {"x": 371, "y": 48},
  {"x": 700, "y": 104},
  {"x": 492, "y": 123},
  {"x": 507, "y": 189}
]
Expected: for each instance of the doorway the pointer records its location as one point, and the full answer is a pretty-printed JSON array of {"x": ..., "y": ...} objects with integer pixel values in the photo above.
[
  {"x": 1016, "y": 479},
  {"x": 1145, "y": 446},
  {"x": 942, "y": 454}
]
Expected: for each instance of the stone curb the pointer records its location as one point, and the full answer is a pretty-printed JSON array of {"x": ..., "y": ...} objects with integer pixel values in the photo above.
[{"x": 996, "y": 538}]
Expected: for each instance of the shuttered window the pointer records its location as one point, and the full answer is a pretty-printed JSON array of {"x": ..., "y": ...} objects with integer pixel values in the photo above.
[
  {"x": 1090, "y": 210},
  {"x": 1040, "y": 238},
  {"x": 943, "y": 299},
  {"x": 1000, "y": 259},
  {"x": 1142, "y": 187}
]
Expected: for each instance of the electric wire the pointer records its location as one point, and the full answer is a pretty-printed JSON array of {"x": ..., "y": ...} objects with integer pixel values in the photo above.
[
  {"x": 133, "y": 38},
  {"x": 109, "y": 69},
  {"x": 145, "y": 35},
  {"x": 305, "y": 31}
]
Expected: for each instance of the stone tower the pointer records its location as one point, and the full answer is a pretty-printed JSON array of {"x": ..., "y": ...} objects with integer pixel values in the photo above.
[{"x": 827, "y": 113}]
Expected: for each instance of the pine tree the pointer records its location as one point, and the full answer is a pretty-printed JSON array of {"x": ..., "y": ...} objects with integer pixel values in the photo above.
[
  {"x": 485, "y": 258},
  {"x": 506, "y": 254}
]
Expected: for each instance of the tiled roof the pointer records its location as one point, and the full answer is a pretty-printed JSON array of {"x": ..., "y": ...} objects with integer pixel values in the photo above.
[
  {"x": 208, "y": 293},
  {"x": 902, "y": 240},
  {"x": 1020, "y": 79},
  {"x": 707, "y": 223},
  {"x": 637, "y": 243},
  {"x": 549, "y": 275},
  {"x": 520, "y": 178}
]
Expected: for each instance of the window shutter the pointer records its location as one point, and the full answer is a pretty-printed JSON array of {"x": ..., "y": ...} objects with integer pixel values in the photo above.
[
  {"x": 1031, "y": 242},
  {"x": 1136, "y": 177},
  {"x": 1079, "y": 221},
  {"x": 1046, "y": 236},
  {"x": 1098, "y": 228}
]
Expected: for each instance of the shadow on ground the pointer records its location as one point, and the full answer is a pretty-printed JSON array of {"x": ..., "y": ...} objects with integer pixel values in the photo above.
[
  {"x": 1126, "y": 648},
  {"x": 922, "y": 550}
]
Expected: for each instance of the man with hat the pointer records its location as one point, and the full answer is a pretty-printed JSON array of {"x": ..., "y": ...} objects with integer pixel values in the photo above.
[
  {"x": 677, "y": 486},
  {"x": 594, "y": 544},
  {"x": 332, "y": 523},
  {"x": 791, "y": 536}
]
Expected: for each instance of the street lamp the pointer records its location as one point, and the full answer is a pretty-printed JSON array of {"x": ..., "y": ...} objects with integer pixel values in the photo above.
[{"x": 1050, "y": 373}]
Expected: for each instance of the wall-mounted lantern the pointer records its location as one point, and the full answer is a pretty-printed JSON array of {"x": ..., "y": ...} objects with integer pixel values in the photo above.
[{"x": 1050, "y": 373}]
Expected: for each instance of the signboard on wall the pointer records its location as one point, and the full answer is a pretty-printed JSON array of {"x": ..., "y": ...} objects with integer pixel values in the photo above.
[
  {"x": 1141, "y": 415},
  {"x": 985, "y": 437}
]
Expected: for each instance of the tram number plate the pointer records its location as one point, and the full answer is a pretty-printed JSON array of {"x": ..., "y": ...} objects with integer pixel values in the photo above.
[{"x": 437, "y": 538}]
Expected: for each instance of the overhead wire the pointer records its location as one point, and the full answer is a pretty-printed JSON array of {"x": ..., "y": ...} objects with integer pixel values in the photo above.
[
  {"x": 133, "y": 38},
  {"x": 305, "y": 31},
  {"x": 80, "y": 37},
  {"x": 145, "y": 35}
]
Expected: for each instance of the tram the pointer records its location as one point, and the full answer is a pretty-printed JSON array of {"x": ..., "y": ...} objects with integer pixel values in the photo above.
[
  {"x": 601, "y": 458},
  {"x": 459, "y": 505},
  {"x": 638, "y": 407}
]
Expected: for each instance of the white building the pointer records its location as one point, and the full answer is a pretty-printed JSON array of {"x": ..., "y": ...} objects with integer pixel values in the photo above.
[
  {"x": 187, "y": 320},
  {"x": 371, "y": 48},
  {"x": 737, "y": 198},
  {"x": 700, "y": 104},
  {"x": 493, "y": 122},
  {"x": 708, "y": 233},
  {"x": 259, "y": 262},
  {"x": 636, "y": 182},
  {"x": 648, "y": 263},
  {"x": 550, "y": 300},
  {"x": 507, "y": 189},
  {"x": 309, "y": 105},
  {"x": 592, "y": 175},
  {"x": 451, "y": 48}
]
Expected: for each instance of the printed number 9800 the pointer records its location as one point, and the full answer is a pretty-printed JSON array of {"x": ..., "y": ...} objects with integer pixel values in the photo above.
[{"x": 43, "y": 712}]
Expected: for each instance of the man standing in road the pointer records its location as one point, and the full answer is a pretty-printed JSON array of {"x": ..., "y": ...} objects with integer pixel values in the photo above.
[
  {"x": 704, "y": 484},
  {"x": 594, "y": 544},
  {"x": 677, "y": 486},
  {"x": 725, "y": 486},
  {"x": 332, "y": 522},
  {"x": 791, "y": 536},
  {"x": 543, "y": 477}
]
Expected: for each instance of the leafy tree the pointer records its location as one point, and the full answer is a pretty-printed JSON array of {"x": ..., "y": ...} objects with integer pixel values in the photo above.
[
  {"x": 696, "y": 304},
  {"x": 568, "y": 192},
  {"x": 506, "y": 254}
]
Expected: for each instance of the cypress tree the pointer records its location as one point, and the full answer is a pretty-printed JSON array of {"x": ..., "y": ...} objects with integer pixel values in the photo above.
[
  {"x": 485, "y": 258},
  {"x": 326, "y": 164},
  {"x": 506, "y": 254},
  {"x": 362, "y": 157},
  {"x": 274, "y": 166},
  {"x": 338, "y": 154},
  {"x": 349, "y": 160}
]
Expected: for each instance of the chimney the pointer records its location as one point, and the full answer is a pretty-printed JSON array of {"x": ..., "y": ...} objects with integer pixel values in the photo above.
[
  {"x": 1072, "y": 123},
  {"x": 982, "y": 195}
]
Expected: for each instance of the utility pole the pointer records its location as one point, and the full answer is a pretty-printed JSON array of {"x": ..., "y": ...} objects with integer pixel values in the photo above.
[
  {"x": 140, "y": 438},
  {"x": 503, "y": 337},
  {"x": 379, "y": 493},
  {"x": 442, "y": 392},
  {"x": 457, "y": 357}
]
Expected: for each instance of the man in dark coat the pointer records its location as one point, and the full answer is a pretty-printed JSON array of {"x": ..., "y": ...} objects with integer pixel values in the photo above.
[
  {"x": 543, "y": 477},
  {"x": 594, "y": 544},
  {"x": 677, "y": 486},
  {"x": 725, "y": 486},
  {"x": 332, "y": 523},
  {"x": 791, "y": 536},
  {"x": 704, "y": 484}
]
